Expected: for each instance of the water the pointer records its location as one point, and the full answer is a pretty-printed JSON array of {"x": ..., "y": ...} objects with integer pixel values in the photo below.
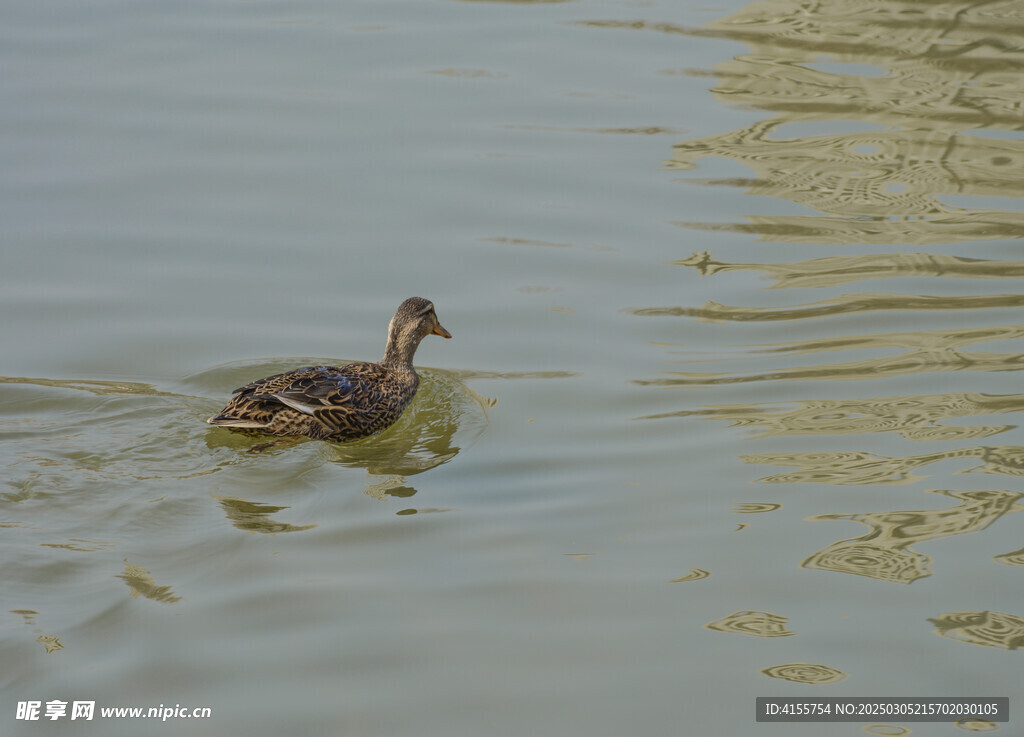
[{"x": 730, "y": 409}]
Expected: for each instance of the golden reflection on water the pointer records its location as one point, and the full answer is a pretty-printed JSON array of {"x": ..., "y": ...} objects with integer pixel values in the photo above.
[
  {"x": 884, "y": 552},
  {"x": 1015, "y": 558},
  {"x": 924, "y": 74},
  {"x": 973, "y": 724},
  {"x": 28, "y": 616},
  {"x": 809, "y": 673},
  {"x": 913, "y": 417},
  {"x": 888, "y": 121},
  {"x": 755, "y": 624},
  {"x": 913, "y": 361},
  {"x": 755, "y": 507},
  {"x": 841, "y": 305},
  {"x": 859, "y": 467},
  {"x": 140, "y": 583},
  {"x": 255, "y": 517},
  {"x": 830, "y": 271},
  {"x": 940, "y": 74},
  {"x": 52, "y": 643},
  {"x": 695, "y": 574},
  {"x": 885, "y": 730},
  {"x": 986, "y": 628}
]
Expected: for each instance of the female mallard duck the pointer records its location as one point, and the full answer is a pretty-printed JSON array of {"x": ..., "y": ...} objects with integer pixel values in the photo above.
[{"x": 346, "y": 403}]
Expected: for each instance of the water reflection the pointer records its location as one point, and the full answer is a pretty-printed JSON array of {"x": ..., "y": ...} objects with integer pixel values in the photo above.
[
  {"x": 972, "y": 724},
  {"x": 809, "y": 673},
  {"x": 52, "y": 643},
  {"x": 445, "y": 417},
  {"x": 695, "y": 574},
  {"x": 80, "y": 545},
  {"x": 140, "y": 583},
  {"x": 934, "y": 70},
  {"x": 28, "y": 616},
  {"x": 913, "y": 417},
  {"x": 841, "y": 305},
  {"x": 755, "y": 507},
  {"x": 881, "y": 187},
  {"x": 886, "y": 730},
  {"x": 255, "y": 517},
  {"x": 884, "y": 552},
  {"x": 986, "y": 628},
  {"x": 830, "y": 271},
  {"x": 859, "y": 467},
  {"x": 424, "y": 437},
  {"x": 756, "y": 624},
  {"x": 1015, "y": 558},
  {"x": 105, "y": 435},
  {"x": 99, "y": 388},
  {"x": 927, "y": 351},
  {"x": 88, "y": 436},
  {"x": 878, "y": 115}
]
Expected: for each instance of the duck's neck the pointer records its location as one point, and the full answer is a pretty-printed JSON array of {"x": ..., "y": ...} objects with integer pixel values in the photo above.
[{"x": 400, "y": 350}]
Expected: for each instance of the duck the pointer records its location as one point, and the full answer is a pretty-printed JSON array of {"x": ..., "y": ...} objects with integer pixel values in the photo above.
[{"x": 338, "y": 402}]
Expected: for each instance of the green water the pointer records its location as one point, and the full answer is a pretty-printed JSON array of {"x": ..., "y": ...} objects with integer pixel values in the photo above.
[{"x": 730, "y": 410}]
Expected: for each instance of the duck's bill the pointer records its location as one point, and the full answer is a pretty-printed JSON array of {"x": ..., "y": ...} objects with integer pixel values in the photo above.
[{"x": 438, "y": 330}]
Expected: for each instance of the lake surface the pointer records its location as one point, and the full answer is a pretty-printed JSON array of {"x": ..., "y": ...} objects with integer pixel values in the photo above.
[{"x": 732, "y": 407}]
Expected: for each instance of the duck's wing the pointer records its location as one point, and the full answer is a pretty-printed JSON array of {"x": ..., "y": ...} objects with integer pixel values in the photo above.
[
  {"x": 310, "y": 390},
  {"x": 270, "y": 385},
  {"x": 349, "y": 397}
]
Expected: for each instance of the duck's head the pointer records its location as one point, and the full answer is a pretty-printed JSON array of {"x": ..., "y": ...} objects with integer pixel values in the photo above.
[{"x": 413, "y": 321}]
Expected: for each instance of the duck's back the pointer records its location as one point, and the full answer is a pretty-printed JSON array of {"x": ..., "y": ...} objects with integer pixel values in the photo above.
[{"x": 344, "y": 403}]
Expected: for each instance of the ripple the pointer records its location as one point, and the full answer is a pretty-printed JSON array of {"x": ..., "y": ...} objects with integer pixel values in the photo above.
[
  {"x": 845, "y": 304},
  {"x": 546, "y": 244},
  {"x": 755, "y": 507},
  {"x": 255, "y": 517},
  {"x": 140, "y": 583},
  {"x": 815, "y": 675},
  {"x": 422, "y": 438},
  {"x": 80, "y": 545},
  {"x": 836, "y": 270},
  {"x": 878, "y": 186},
  {"x": 445, "y": 418},
  {"x": 913, "y": 417},
  {"x": 911, "y": 363},
  {"x": 695, "y": 574},
  {"x": 928, "y": 350},
  {"x": 1016, "y": 558},
  {"x": 28, "y": 616},
  {"x": 51, "y": 643},
  {"x": 858, "y": 468},
  {"x": 882, "y": 563},
  {"x": 985, "y": 628},
  {"x": 753, "y": 623},
  {"x": 95, "y": 436},
  {"x": 971, "y": 724},
  {"x": 884, "y": 552},
  {"x": 886, "y": 730}
]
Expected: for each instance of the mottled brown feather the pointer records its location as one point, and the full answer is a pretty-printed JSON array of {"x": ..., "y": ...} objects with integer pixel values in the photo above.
[{"x": 338, "y": 403}]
